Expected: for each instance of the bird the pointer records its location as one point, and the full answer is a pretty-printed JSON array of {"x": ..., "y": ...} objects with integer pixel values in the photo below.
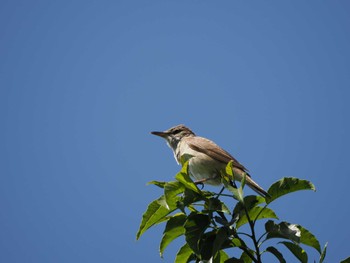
[{"x": 206, "y": 160}]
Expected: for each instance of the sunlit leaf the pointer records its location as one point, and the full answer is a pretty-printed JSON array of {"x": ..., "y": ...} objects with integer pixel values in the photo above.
[
  {"x": 287, "y": 185},
  {"x": 297, "y": 251},
  {"x": 243, "y": 181},
  {"x": 307, "y": 238},
  {"x": 237, "y": 192},
  {"x": 249, "y": 201},
  {"x": 246, "y": 258},
  {"x": 256, "y": 213},
  {"x": 292, "y": 232},
  {"x": 229, "y": 171},
  {"x": 227, "y": 177},
  {"x": 171, "y": 190},
  {"x": 157, "y": 183},
  {"x": 236, "y": 242},
  {"x": 323, "y": 254},
  {"x": 155, "y": 213},
  {"x": 184, "y": 254},
  {"x": 282, "y": 230},
  {"x": 173, "y": 229},
  {"x": 185, "y": 179},
  {"x": 221, "y": 257}
]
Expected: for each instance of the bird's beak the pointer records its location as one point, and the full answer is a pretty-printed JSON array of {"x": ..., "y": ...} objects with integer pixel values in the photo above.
[{"x": 161, "y": 134}]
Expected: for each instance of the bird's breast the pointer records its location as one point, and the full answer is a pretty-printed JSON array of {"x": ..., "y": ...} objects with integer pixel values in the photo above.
[
  {"x": 184, "y": 153},
  {"x": 200, "y": 165}
]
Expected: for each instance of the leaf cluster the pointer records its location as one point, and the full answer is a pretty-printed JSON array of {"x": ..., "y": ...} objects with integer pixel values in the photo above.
[{"x": 212, "y": 230}]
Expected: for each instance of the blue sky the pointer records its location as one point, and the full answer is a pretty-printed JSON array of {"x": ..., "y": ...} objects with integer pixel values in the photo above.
[{"x": 82, "y": 83}]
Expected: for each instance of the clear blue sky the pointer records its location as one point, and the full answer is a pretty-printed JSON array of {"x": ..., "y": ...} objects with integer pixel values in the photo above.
[{"x": 82, "y": 83}]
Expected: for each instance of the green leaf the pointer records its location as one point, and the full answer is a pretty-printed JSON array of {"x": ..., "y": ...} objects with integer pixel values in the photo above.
[
  {"x": 237, "y": 192},
  {"x": 171, "y": 190},
  {"x": 282, "y": 230},
  {"x": 245, "y": 258},
  {"x": 249, "y": 202},
  {"x": 221, "y": 257},
  {"x": 173, "y": 229},
  {"x": 234, "y": 260},
  {"x": 195, "y": 226},
  {"x": 236, "y": 242},
  {"x": 190, "y": 197},
  {"x": 157, "y": 183},
  {"x": 347, "y": 260},
  {"x": 206, "y": 244},
  {"x": 293, "y": 232},
  {"x": 155, "y": 213},
  {"x": 229, "y": 171},
  {"x": 185, "y": 179},
  {"x": 307, "y": 238},
  {"x": 297, "y": 251},
  {"x": 256, "y": 213},
  {"x": 277, "y": 254},
  {"x": 287, "y": 185},
  {"x": 323, "y": 254},
  {"x": 220, "y": 238},
  {"x": 214, "y": 204},
  {"x": 227, "y": 177},
  {"x": 243, "y": 181},
  {"x": 184, "y": 254}
]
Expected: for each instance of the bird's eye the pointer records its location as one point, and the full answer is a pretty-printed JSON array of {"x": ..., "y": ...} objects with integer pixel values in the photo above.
[{"x": 176, "y": 131}]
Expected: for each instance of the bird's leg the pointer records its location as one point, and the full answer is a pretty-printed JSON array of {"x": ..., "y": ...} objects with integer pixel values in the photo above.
[{"x": 202, "y": 181}]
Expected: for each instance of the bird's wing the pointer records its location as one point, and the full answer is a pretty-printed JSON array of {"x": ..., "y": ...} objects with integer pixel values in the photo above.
[{"x": 213, "y": 150}]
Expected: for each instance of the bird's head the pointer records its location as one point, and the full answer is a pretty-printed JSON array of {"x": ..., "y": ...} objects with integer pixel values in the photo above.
[{"x": 174, "y": 134}]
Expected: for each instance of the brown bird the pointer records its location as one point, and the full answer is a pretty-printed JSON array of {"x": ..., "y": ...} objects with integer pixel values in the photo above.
[{"x": 206, "y": 159}]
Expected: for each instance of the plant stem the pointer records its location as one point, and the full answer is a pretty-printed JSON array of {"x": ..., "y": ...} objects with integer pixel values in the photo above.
[
  {"x": 244, "y": 248},
  {"x": 256, "y": 244}
]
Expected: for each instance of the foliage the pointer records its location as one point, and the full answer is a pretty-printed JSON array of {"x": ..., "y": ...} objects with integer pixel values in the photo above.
[{"x": 211, "y": 229}]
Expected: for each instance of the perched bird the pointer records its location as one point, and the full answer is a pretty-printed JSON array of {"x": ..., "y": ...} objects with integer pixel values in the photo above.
[{"x": 206, "y": 159}]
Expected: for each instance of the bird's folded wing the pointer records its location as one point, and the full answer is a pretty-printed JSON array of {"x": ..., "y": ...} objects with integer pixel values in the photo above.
[{"x": 213, "y": 150}]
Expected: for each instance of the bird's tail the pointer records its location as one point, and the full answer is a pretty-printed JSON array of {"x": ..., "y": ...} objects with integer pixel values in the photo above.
[
  {"x": 257, "y": 188},
  {"x": 249, "y": 181}
]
